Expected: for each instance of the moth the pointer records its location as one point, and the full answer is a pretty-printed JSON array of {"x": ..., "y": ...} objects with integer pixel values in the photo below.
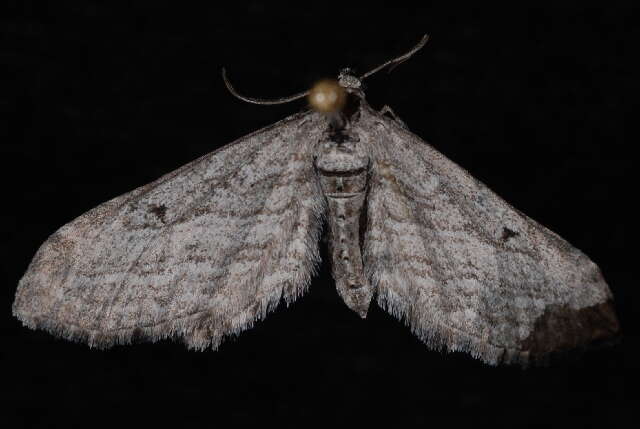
[{"x": 207, "y": 250}]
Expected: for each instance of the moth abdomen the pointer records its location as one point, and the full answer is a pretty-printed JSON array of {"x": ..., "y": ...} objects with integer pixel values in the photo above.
[
  {"x": 343, "y": 170},
  {"x": 343, "y": 185}
]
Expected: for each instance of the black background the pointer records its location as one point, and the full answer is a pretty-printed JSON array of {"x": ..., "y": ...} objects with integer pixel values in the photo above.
[{"x": 98, "y": 99}]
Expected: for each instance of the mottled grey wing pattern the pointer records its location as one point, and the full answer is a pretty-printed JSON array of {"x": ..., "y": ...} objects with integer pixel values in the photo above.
[
  {"x": 200, "y": 253},
  {"x": 464, "y": 269}
]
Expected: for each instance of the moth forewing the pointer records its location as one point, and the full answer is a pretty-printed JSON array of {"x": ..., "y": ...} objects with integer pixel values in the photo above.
[
  {"x": 239, "y": 232},
  {"x": 439, "y": 258}
]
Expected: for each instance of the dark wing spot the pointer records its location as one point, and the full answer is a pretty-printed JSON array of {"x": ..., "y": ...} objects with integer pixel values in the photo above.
[
  {"x": 561, "y": 328},
  {"x": 159, "y": 211},
  {"x": 508, "y": 233}
]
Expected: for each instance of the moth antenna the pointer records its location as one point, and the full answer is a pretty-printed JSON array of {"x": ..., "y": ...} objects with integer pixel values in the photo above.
[
  {"x": 398, "y": 60},
  {"x": 260, "y": 100}
]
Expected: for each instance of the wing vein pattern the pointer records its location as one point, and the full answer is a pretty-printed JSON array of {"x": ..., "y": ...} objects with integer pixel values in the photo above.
[
  {"x": 200, "y": 254},
  {"x": 465, "y": 270}
]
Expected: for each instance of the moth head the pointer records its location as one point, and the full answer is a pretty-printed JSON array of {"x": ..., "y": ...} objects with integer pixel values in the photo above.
[
  {"x": 348, "y": 79},
  {"x": 327, "y": 96},
  {"x": 330, "y": 96}
]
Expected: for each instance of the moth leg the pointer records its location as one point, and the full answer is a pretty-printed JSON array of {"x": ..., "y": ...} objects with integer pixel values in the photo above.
[{"x": 388, "y": 110}]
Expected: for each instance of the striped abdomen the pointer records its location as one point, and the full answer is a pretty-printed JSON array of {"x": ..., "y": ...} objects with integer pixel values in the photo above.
[{"x": 343, "y": 172}]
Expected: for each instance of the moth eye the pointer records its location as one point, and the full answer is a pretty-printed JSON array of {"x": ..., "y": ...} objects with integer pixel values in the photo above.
[{"x": 327, "y": 96}]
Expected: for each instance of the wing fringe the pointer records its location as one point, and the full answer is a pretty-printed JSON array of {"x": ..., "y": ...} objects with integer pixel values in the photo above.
[{"x": 440, "y": 337}]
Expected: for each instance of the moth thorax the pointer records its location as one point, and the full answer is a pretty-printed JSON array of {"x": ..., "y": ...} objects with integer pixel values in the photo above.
[{"x": 327, "y": 96}]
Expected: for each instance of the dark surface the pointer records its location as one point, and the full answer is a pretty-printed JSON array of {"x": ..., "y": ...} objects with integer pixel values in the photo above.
[{"x": 97, "y": 100}]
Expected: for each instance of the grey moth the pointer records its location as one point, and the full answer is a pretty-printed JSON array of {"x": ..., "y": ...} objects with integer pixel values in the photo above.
[{"x": 207, "y": 250}]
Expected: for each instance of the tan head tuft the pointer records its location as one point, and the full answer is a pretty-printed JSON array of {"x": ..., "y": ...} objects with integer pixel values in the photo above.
[{"x": 327, "y": 96}]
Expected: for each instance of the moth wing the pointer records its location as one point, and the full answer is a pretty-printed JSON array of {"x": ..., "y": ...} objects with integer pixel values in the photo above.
[
  {"x": 465, "y": 270},
  {"x": 200, "y": 253}
]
